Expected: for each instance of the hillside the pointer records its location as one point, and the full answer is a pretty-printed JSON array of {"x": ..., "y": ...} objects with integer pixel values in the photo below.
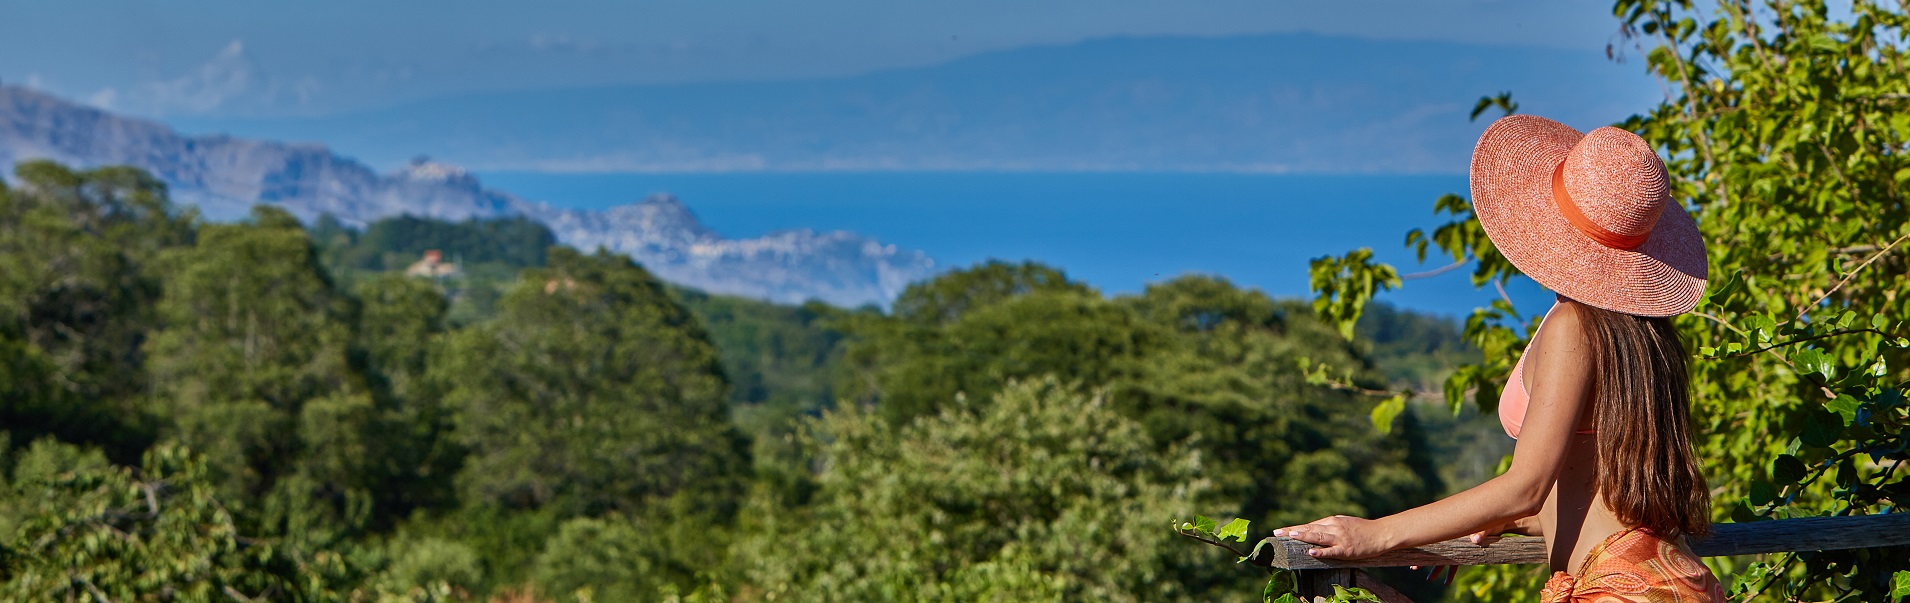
[{"x": 224, "y": 176}]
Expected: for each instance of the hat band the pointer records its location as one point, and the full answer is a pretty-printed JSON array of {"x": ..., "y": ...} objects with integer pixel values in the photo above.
[{"x": 1569, "y": 209}]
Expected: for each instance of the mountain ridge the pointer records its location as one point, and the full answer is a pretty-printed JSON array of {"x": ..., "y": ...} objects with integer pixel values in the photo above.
[{"x": 224, "y": 176}]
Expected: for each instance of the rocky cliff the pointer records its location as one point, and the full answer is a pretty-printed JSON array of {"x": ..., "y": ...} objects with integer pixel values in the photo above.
[{"x": 225, "y": 176}]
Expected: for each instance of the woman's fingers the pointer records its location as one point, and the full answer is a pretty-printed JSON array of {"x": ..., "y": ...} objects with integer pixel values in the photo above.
[
  {"x": 1316, "y": 534},
  {"x": 1485, "y": 536},
  {"x": 1315, "y": 525}
]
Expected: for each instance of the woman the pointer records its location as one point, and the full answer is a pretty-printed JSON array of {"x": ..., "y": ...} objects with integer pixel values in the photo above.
[{"x": 1603, "y": 469}]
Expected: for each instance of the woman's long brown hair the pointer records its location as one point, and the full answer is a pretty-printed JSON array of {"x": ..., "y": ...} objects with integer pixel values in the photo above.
[{"x": 1648, "y": 472}]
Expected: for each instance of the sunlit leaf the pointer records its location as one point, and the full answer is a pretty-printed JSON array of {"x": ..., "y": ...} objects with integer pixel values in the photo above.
[{"x": 1384, "y": 412}]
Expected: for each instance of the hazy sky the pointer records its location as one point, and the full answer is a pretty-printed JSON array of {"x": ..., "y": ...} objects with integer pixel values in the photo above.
[{"x": 254, "y": 58}]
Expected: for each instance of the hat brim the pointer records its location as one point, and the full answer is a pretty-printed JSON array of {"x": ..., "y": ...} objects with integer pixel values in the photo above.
[{"x": 1512, "y": 171}]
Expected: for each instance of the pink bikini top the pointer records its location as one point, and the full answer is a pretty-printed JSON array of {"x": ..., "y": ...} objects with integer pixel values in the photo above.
[{"x": 1514, "y": 398}]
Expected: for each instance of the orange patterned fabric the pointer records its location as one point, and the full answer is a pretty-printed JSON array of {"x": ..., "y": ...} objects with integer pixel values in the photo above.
[{"x": 1636, "y": 566}]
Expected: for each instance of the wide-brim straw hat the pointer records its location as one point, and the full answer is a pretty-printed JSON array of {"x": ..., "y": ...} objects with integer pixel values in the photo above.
[{"x": 1588, "y": 216}]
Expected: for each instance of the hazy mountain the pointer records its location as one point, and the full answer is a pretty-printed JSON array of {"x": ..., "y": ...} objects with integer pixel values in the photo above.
[
  {"x": 225, "y": 176},
  {"x": 1286, "y": 102}
]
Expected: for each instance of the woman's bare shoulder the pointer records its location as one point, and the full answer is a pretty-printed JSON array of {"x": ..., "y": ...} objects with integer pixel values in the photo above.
[{"x": 1564, "y": 329}]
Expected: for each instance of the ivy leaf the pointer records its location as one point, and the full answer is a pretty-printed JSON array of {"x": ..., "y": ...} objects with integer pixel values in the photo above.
[
  {"x": 1763, "y": 326},
  {"x": 1202, "y": 524},
  {"x": 1457, "y": 383},
  {"x": 1384, "y": 412},
  {"x": 1256, "y": 548},
  {"x": 1787, "y": 470},
  {"x": 1762, "y": 493},
  {"x": 1813, "y": 360},
  {"x": 1822, "y": 428},
  {"x": 1236, "y": 529},
  {"x": 1900, "y": 585},
  {"x": 1845, "y": 406}
]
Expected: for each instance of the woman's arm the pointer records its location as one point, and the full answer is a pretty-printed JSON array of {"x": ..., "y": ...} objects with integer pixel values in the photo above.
[{"x": 1561, "y": 369}]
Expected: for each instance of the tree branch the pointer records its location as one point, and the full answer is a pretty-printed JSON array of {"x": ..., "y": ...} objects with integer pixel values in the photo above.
[
  {"x": 1850, "y": 275},
  {"x": 1434, "y": 272},
  {"x": 1799, "y": 340}
]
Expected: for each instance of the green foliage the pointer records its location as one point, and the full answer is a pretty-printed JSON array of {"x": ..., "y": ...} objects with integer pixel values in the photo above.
[
  {"x": 951, "y": 295},
  {"x": 81, "y": 529},
  {"x": 1345, "y": 283},
  {"x": 423, "y": 563},
  {"x": 394, "y": 243},
  {"x": 775, "y": 355},
  {"x": 1412, "y": 350},
  {"x": 401, "y": 325},
  {"x": 1784, "y": 133},
  {"x": 371, "y": 437},
  {"x": 1192, "y": 359},
  {"x": 1030, "y": 496},
  {"x": 76, "y": 299},
  {"x": 604, "y": 559},
  {"x": 254, "y": 368},
  {"x": 592, "y": 391}
]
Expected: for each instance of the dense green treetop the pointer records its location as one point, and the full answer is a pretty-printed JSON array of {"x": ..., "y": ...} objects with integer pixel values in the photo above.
[
  {"x": 1037, "y": 494},
  {"x": 593, "y": 391}
]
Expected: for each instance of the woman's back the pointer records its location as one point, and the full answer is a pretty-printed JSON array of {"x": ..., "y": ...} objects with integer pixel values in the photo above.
[{"x": 1573, "y": 518}]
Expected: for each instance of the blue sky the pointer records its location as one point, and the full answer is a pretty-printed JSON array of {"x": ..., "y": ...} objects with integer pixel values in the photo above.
[{"x": 250, "y": 58}]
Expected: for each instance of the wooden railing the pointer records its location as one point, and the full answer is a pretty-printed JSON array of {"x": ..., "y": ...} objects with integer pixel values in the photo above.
[{"x": 1317, "y": 576}]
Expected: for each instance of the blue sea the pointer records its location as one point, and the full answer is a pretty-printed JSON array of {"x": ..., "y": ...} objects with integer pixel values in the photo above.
[{"x": 1116, "y": 231}]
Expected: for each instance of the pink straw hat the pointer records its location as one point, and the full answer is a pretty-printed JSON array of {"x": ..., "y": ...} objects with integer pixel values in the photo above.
[{"x": 1588, "y": 216}]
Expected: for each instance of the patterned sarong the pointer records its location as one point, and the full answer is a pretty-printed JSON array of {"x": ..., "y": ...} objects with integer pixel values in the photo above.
[{"x": 1636, "y": 566}]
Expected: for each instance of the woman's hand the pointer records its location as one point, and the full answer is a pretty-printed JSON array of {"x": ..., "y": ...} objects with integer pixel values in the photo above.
[
  {"x": 1340, "y": 537},
  {"x": 1527, "y": 526},
  {"x": 1524, "y": 526}
]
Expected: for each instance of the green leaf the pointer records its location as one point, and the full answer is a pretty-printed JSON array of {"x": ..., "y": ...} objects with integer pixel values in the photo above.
[
  {"x": 1257, "y": 546},
  {"x": 1845, "y": 407},
  {"x": 1762, "y": 493},
  {"x": 1386, "y": 411},
  {"x": 1822, "y": 428},
  {"x": 1202, "y": 524},
  {"x": 1342, "y": 594},
  {"x": 1236, "y": 529},
  {"x": 1899, "y": 585},
  {"x": 1763, "y": 326},
  {"x": 1813, "y": 360},
  {"x": 1787, "y": 470}
]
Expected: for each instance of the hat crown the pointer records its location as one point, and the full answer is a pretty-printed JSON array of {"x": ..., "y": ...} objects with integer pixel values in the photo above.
[{"x": 1617, "y": 182}]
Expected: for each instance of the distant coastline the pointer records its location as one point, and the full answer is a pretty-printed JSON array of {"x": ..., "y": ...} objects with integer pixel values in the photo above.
[{"x": 1116, "y": 231}]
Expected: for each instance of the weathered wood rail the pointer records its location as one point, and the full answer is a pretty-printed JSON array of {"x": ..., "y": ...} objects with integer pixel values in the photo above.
[{"x": 1317, "y": 576}]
